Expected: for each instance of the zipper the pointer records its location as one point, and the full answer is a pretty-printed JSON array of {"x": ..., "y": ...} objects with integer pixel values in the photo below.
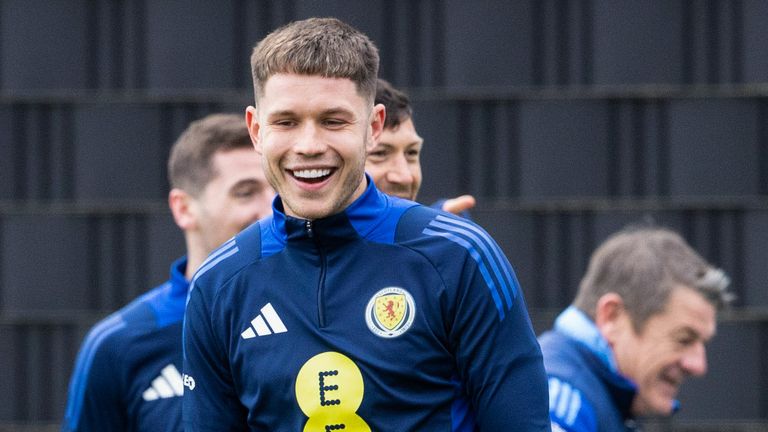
[{"x": 321, "y": 282}]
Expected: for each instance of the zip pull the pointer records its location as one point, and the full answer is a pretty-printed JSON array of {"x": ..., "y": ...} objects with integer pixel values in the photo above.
[{"x": 308, "y": 225}]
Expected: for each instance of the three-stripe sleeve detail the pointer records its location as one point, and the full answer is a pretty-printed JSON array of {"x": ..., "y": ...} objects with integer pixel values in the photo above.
[
  {"x": 564, "y": 401},
  {"x": 491, "y": 262}
]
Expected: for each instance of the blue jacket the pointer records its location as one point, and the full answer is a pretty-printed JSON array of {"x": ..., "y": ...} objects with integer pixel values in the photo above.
[
  {"x": 387, "y": 316},
  {"x": 127, "y": 375},
  {"x": 587, "y": 394}
]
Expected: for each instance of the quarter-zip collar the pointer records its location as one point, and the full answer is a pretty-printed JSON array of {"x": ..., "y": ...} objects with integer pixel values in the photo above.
[
  {"x": 169, "y": 302},
  {"x": 365, "y": 217}
]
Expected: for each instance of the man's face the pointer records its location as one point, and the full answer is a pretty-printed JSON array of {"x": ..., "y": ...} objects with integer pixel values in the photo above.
[
  {"x": 394, "y": 162},
  {"x": 236, "y": 196},
  {"x": 670, "y": 347},
  {"x": 313, "y": 134}
]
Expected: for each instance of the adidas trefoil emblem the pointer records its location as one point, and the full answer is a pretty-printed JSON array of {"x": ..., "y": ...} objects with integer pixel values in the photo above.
[
  {"x": 266, "y": 323},
  {"x": 169, "y": 384}
]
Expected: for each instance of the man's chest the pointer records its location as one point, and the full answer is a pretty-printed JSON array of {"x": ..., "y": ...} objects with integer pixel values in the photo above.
[{"x": 340, "y": 337}]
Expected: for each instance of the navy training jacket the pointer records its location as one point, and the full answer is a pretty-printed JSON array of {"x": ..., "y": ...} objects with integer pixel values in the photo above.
[{"x": 389, "y": 316}]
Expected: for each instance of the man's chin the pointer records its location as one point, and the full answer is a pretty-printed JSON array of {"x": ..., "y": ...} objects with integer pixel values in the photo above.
[
  {"x": 400, "y": 195},
  {"x": 657, "y": 408}
]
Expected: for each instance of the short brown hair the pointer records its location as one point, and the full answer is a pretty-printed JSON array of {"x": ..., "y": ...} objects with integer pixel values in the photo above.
[
  {"x": 397, "y": 104},
  {"x": 189, "y": 165},
  {"x": 643, "y": 265},
  {"x": 317, "y": 46}
]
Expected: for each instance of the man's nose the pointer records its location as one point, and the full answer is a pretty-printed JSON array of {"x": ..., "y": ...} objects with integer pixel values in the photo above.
[
  {"x": 399, "y": 172},
  {"x": 694, "y": 361},
  {"x": 309, "y": 140}
]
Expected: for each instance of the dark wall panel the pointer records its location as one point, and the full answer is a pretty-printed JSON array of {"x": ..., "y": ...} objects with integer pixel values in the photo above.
[
  {"x": 49, "y": 258},
  {"x": 713, "y": 149},
  {"x": 734, "y": 353},
  {"x": 42, "y": 151},
  {"x": 755, "y": 15},
  {"x": 43, "y": 44},
  {"x": 190, "y": 44},
  {"x": 166, "y": 244},
  {"x": 8, "y": 174},
  {"x": 442, "y": 167},
  {"x": 10, "y": 379},
  {"x": 563, "y": 149},
  {"x": 755, "y": 259},
  {"x": 637, "y": 42},
  {"x": 37, "y": 358},
  {"x": 119, "y": 152},
  {"x": 365, "y": 16},
  {"x": 637, "y": 148},
  {"x": 493, "y": 34}
]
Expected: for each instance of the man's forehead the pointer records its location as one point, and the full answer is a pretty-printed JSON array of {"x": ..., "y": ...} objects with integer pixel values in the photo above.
[
  {"x": 291, "y": 81},
  {"x": 688, "y": 310}
]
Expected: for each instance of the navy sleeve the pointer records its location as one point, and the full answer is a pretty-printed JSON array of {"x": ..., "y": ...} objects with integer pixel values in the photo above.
[
  {"x": 210, "y": 402},
  {"x": 94, "y": 401},
  {"x": 497, "y": 354}
]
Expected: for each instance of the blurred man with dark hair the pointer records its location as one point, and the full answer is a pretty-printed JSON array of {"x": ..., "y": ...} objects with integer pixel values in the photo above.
[{"x": 394, "y": 163}]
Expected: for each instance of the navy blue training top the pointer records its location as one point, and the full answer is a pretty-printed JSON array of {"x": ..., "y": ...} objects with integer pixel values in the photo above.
[
  {"x": 587, "y": 393},
  {"x": 127, "y": 375},
  {"x": 389, "y": 316}
]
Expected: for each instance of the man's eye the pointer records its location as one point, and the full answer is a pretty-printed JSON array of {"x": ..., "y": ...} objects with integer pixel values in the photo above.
[
  {"x": 334, "y": 122},
  {"x": 246, "y": 192},
  {"x": 377, "y": 153},
  {"x": 243, "y": 194}
]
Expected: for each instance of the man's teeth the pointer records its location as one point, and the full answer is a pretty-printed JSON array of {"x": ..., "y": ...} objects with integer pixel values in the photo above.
[{"x": 312, "y": 173}]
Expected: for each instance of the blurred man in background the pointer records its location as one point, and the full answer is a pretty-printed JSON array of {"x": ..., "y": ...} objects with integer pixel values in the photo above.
[
  {"x": 127, "y": 374},
  {"x": 394, "y": 163},
  {"x": 638, "y": 327}
]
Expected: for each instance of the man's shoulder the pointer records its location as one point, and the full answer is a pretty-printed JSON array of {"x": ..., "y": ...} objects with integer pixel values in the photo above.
[
  {"x": 423, "y": 222},
  {"x": 579, "y": 398},
  {"x": 231, "y": 257},
  {"x": 562, "y": 356},
  {"x": 113, "y": 335}
]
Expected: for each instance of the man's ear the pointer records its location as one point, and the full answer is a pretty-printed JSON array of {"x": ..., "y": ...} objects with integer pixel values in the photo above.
[
  {"x": 252, "y": 122},
  {"x": 181, "y": 205},
  {"x": 611, "y": 316},
  {"x": 378, "y": 114}
]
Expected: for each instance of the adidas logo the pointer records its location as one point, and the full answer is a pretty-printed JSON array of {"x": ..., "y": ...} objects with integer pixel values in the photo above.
[
  {"x": 169, "y": 384},
  {"x": 264, "y": 324}
]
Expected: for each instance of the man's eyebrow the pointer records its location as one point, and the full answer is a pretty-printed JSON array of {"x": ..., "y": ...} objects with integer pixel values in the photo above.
[
  {"x": 691, "y": 332},
  {"x": 336, "y": 110},
  {"x": 281, "y": 113},
  {"x": 249, "y": 181},
  {"x": 325, "y": 112}
]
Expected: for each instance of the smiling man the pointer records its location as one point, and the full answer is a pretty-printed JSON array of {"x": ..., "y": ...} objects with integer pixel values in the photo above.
[
  {"x": 638, "y": 327},
  {"x": 295, "y": 324},
  {"x": 395, "y": 162},
  {"x": 127, "y": 375}
]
